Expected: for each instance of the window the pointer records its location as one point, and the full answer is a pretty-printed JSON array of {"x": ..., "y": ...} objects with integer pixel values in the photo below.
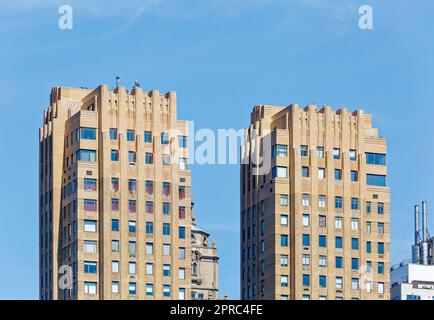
[
  {"x": 114, "y": 155},
  {"x": 149, "y": 227},
  {"x": 305, "y": 199},
  {"x": 164, "y": 138},
  {"x": 181, "y": 213},
  {"x": 354, "y": 204},
  {"x": 368, "y": 227},
  {"x": 339, "y": 282},
  {"x": 280, "y": 150},
  {"x": 90, "y": 267},
  {"x": 166, "y": 159},
  {"x": 86, "y": 155},
  {"x": 149, "y": 289},
  {"x": 90, "y": 246},
  {"x": 352, "y": 155},
  {"x": 322, "y": 201},
  {"x": 131, "y": 226},
  {"x": 131, "y": 157},
  {"x": 338, "y": 223},
  {"x": 181, "y": 294},
  {"x": 381, "y": 267},
  {"x": 380, "y": 228},
  {"x": 166, "y": 208},
  {"x": 166, "y": 290},
  {"x": 369, "y": 266},
  {"x": 181, "y": 274},
  {"x": 181, "y": 232},
  {"x": 87, "y": 133},
  {"x": 377, "y": 159},
  {"x": 306, "y": 240},
  {"x": 306, "y": 297},
  {"x": 90, "y": 225},
  {"x": 306, "y": 220},
  {"x": 320, "y": 152},
  {"x": 283, "y": 260},
  {"x": 132, "y": 185},
  {"x": 89, "y": 205},
  {"x": 368, "y": 206},
  {"x": 283, "y": 219},
  {"x": 132, "y": 207},
  {"x": 322, "y": 221},
  {"x": 380, "y": 247},
  {"x": 115, "y": 204},
  {"x": 89, "y": 184},
  {"x": 284, "y": 280},
  {"x": 149, "y": 207},
  {"x": 131, "y": 268},
  {"x": 166, "y": 270},
  {"x": 321, "y": 173},
  {"x": 149, "y": 187},
  {"x": 182, "y": 140},
  {"x": 380, "y": 287},
  {"x": 322, "y": 261},
  {"x": 354, "y": 176},
  {"x": 322, "y": 241},
  {"x": 181, "y": 192},
  {"x": 354, "y": 264},
  {"x": 368, "y": 247},
  {"x": 132, "y": 288},
  {"x": 149, "y": 269},
  {"x": 306, "y": 260},
  {"x": 115, "y": 286},
  {"x": 284, "y": 240},
  {"x": 380, "y": 208},
  {"x": 338, "y": 262},
  {"x": 354, "y": 224},
  {"x": 354, "y": 243},
  {"x": 130, "y": 135},
  {"x": 132, "y": 247},
  {"x": 148, "y": 137},
  {"x": 149, "y": 247},
  {"x": 338, "y": 174},
  {"x": 322, "y": 281},
  {"x": 305, "y": 172},
  {"x": 90, "y": 288},
  {"x": 115, "y": 225},
  {"x": 181, "y": 253},
  {"x": 338, "y": 202},
  {"x": 183, "y": 164},
  {"x": 376, "y": 180},
  {"x": 284, "y": 200},
  {"x": 115, "y": 266},
  {"x": 113, "y": 134},
  {"x": 166, "y": 189},
  {"x": 355, "y": 284},
  {"x": 148, "y": 158},
  {"x": 303, "y": 151},
  {"x": 166, "y": 249},
  {"x": 306, "y": 280},
  {"x": 336, "y": 153},
  {"x": 115, "y": 184},
  {"x": 279, "y": 172},
  {"x": 338, "y": 243}
]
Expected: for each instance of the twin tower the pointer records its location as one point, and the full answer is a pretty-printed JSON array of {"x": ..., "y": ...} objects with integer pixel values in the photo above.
[{"x": 116, "y": 217}]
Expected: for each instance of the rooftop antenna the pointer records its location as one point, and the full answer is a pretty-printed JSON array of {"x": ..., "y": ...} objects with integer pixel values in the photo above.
[
  {"x": 136, "y": 84},
  {"x": 117, "y": 81}
]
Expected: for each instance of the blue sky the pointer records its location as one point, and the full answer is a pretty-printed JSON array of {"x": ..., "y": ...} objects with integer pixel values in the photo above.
[{"x": 222, "y": 57}]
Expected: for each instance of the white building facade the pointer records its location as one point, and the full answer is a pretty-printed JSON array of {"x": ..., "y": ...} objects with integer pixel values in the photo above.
[{"x": 411, "y": 281}]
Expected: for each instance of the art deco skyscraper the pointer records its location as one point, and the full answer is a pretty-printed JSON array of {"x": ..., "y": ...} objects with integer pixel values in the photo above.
[
  {"x": 315, "y": 211},
  {"x": 115, "y": 205}
]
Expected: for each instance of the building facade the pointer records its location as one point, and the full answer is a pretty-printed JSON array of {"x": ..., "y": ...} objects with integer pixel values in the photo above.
[
  {"x": 315, "y": 208},
  {"x": 204, "y": 270},
  {"x": 115, "y": 200},
  {"x": 411, "y": 281}
]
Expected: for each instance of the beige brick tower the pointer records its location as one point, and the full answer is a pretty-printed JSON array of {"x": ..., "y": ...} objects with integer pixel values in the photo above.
[
  {"x": 316, "y": 225},
  {"x": 114, "y": 196}
]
